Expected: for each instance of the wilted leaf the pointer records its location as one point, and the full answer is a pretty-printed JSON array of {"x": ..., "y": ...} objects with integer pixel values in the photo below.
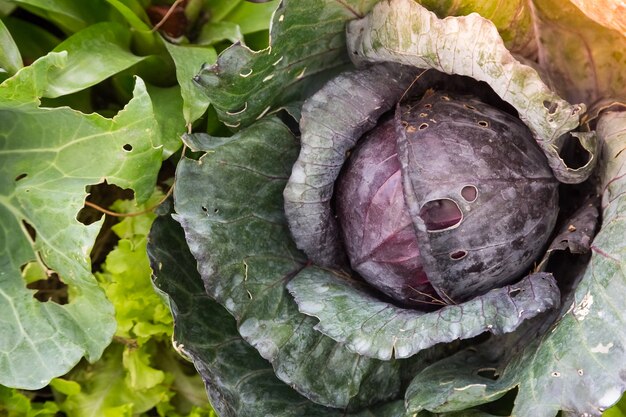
[
  {"x": 230, "y": 205},
  {"x": 402, "y": 31},
  {"x": 43, "y": 186}
]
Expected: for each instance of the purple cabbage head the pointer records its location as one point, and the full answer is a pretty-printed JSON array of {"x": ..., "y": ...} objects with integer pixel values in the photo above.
[{"x": 445, "y": 201}]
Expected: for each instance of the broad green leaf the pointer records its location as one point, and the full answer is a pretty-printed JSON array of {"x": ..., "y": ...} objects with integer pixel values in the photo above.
[
  {"x": 214, "y": 32},
  {"x": 10, "y": 58},
  {"x": 307, "y": 38},
  {"x": 375, "y": 328},
  {"x": 252, "y": 17},
  {"x": 187, "y": 60},
  {"x": 94, "y": 54},
  {"x": 47, "y": 161},
  {"x": 135, "y": 15},
  {"x": 69, "y": 15},
  {"x": 402, "y": 31},
  {"x": 168, "y": 105},
  {"x": 585, "y": 61},
  {"x": 230, "y": 205},
  {"x": 34, "y": 41}
]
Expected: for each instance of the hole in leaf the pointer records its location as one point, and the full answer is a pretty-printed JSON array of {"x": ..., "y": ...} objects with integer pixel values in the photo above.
[
  {"x": 32, "y": 234},
  {"x": 428, "y": 106},
  {"x": 469, "y": 106},
  {"x": 483, "y": 123},
  {"x": 423, "y": 126},
  {"x": 21, "y": 176},
  {"x": 441, "y": 214},
  {"x": 490, "y": 373},
  {"x": 550, "y": 106},
  {"x": 51, "y": 289},
  {"x": 458, "y": 255},
  {"x": 573, "y": 153},
  {"x": 514, "y": 292},
  {"x": 445, "y": 98},
  {"x": 469, "y": 193},
  {"x": 128, "y": 147},
  {"x": 205, "y": 209},
  {"x": 101, "y": 195}
]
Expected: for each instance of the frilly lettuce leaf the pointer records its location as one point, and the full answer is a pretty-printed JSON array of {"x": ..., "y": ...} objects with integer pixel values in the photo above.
[{"x": 402, "y": 31}]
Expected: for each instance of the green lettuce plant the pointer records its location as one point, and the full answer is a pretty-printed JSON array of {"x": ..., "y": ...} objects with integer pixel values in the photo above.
[{"x": 299, "y": 333}]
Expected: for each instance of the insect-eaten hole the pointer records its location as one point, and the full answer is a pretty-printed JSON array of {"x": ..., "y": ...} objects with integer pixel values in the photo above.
[
  {"x": 50, "y": 289},
  {"x": 101, "y": 196},
  {"x": 445, "y": 98},
  {"x": 514, "y": 292},
  {"x": 458, "y": 255},
  {"x": 573, "y": 153},
  {"x": 21, "y": 176},
  {"x": 551, "y": 106},
  {"x": 489, "y": 373},
  {"x": 483, "y": 123},
  {"x": 469, "y": 193},
  {"x": 128, "y": 147},
  {"x": 428, "y": 106},
  {"x": 30, "y": 231},
  {"x": 423, "y": 126},
  {"x": 441, "y": 214},
  {"x": 469, "y": 106}
]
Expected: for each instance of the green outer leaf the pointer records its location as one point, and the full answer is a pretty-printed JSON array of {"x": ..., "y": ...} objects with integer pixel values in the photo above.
[
  {"x": 230, "y": 205},
  {"x": 50, "y": 147},
  {"x": 403, "y": 31},
  {"x": 377, "y": 329},
  {"x": 239, "y": 382},
  {"x": 94, "y": 54},
  {"x": 307, "y": 37},
  {"x": 187, "y": 60},
  {"x": 10, "y": 58}
]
